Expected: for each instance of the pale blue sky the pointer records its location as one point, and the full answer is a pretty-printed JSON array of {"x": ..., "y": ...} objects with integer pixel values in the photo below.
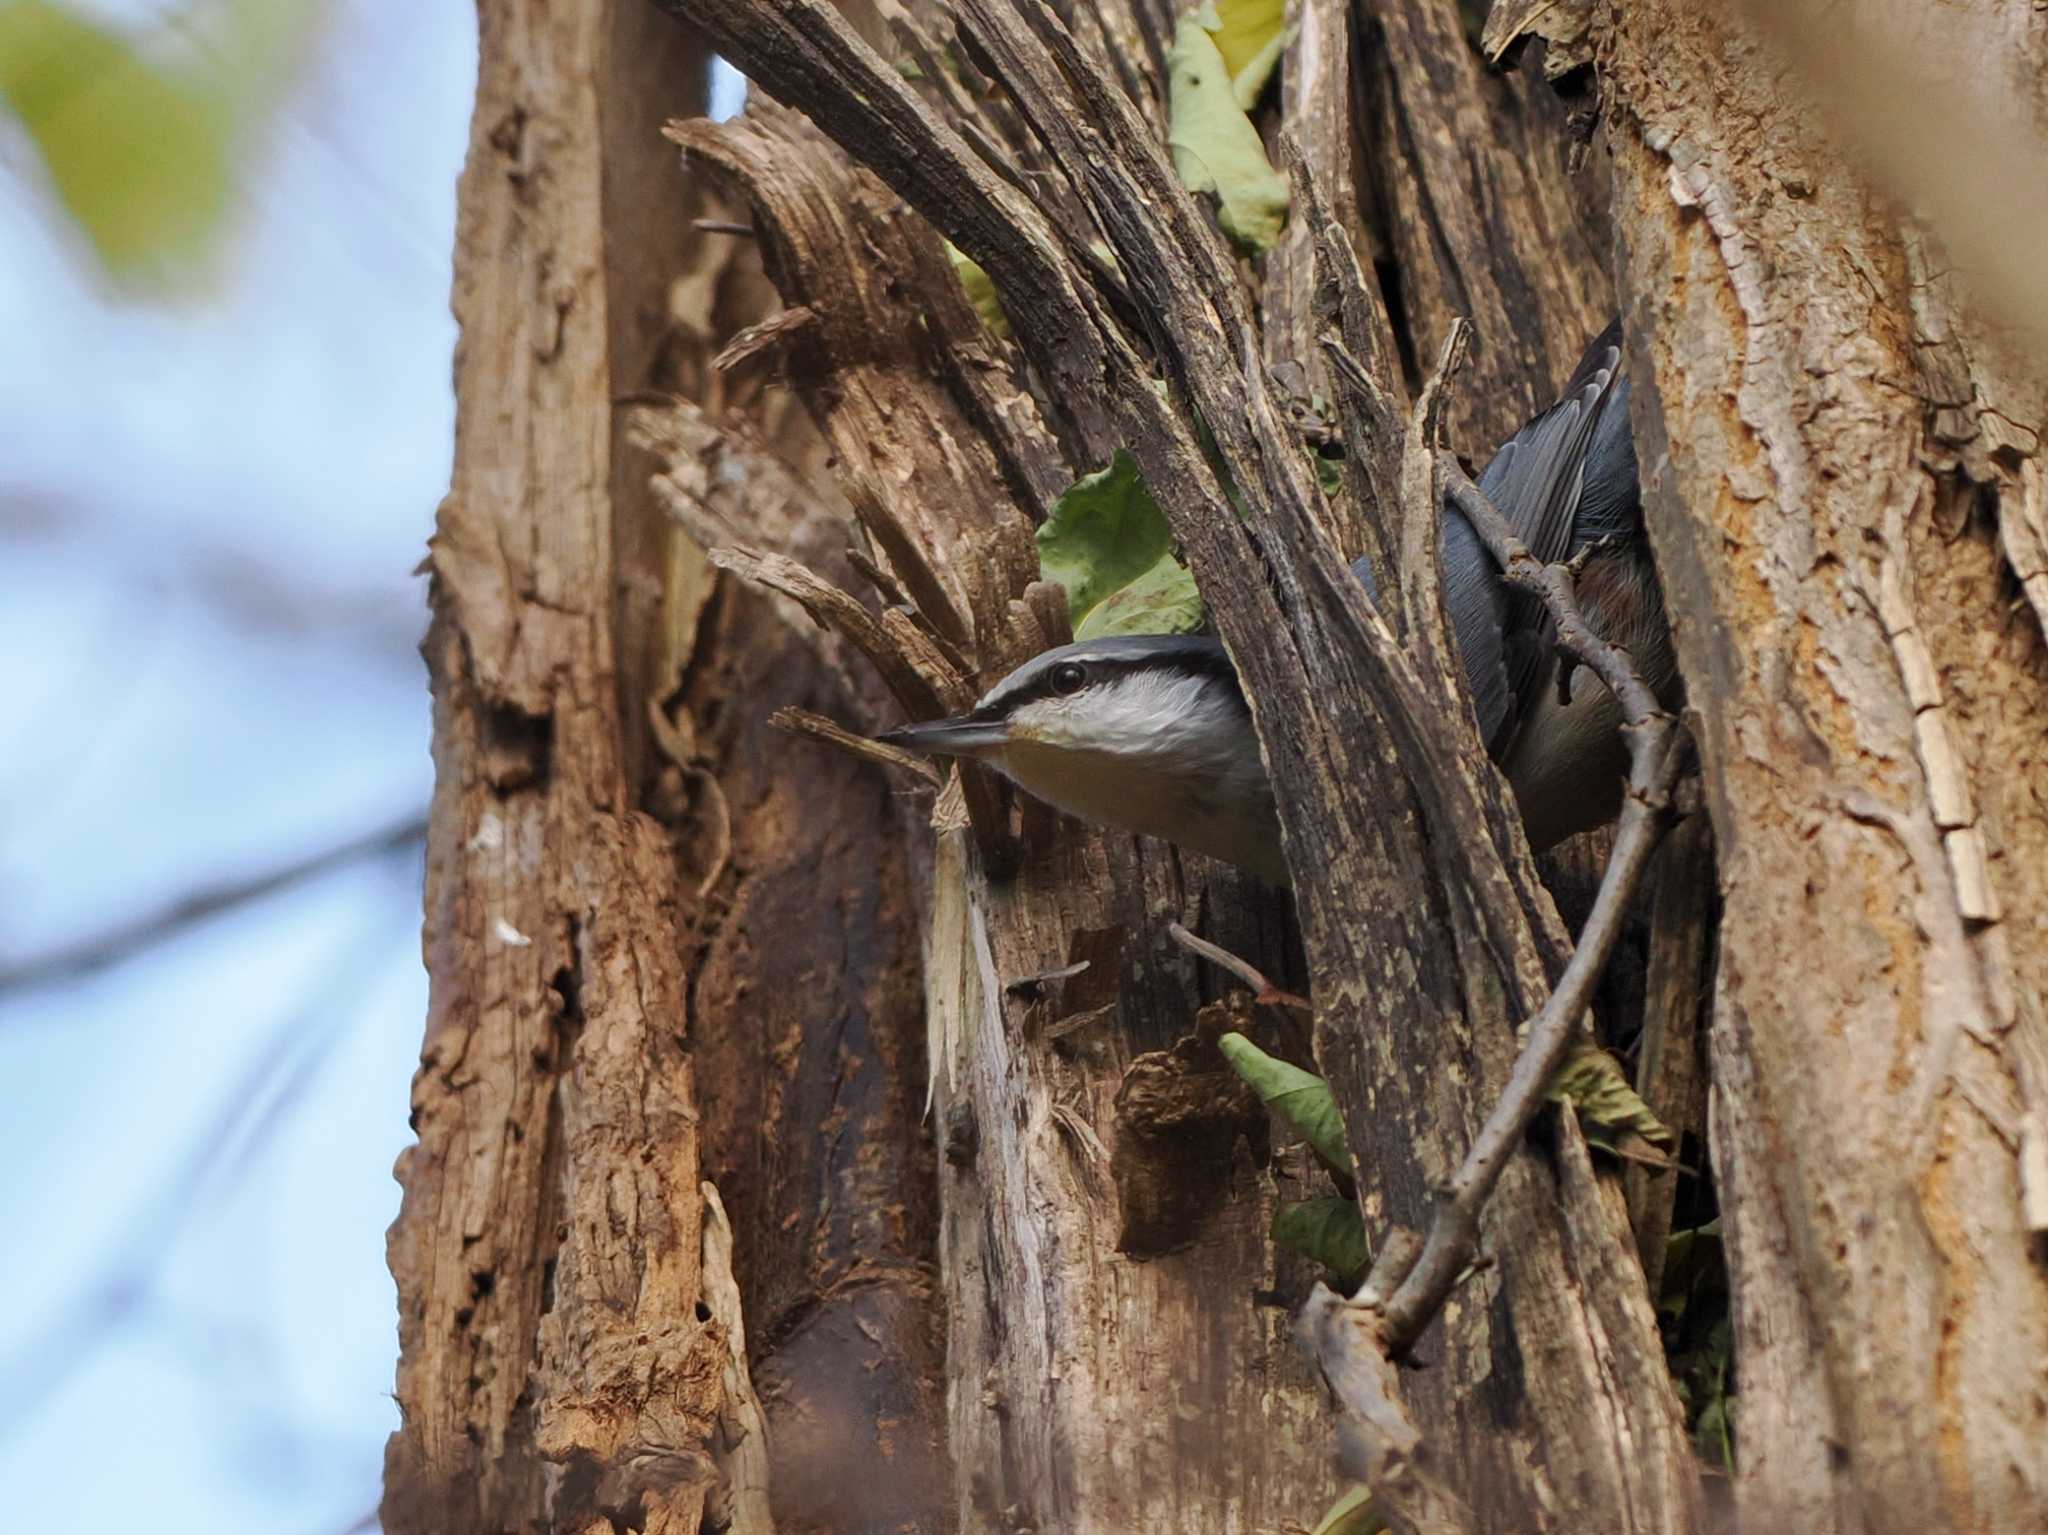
[{"x": 209, "y": 518}]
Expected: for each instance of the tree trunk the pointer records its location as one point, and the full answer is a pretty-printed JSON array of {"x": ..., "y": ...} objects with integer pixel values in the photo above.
[
  {"x": 1058, "y": 1456},
  {"x": 547, "y": 1270},
  {"x": 660, "y": 949},
  {"x": 1837, "y": 439},
  {"x": 1022, "y": 1277},
  {"x": 1063, "y": 1352}
]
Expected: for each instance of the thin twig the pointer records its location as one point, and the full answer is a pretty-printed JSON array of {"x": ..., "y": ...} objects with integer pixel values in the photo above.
[
  {"x": 1243, "y": 969},
  {"x": 1654, "y": 760},
  {"x": 893, "y": 596},
  {"x": 1554, "y": 586},
  {"x": 801, "y": 722},
  {"x": 86, "y": 955},
  {"x": 1031, "y": 985}
]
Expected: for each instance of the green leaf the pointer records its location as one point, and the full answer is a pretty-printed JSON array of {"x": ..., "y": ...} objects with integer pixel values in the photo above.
[
  {"x": 1327, "y": 1230},
  {"x": 1215, "y": 147},
  {"x": 1702, "y": 1380},
  {"x": 1107, "y": 543},
  {"x": 1300, "y": 1097},
  {"x": 139, "y": 135},
  {"x": 1250, "y": 37},
  {"x": 1595, "y": 1084},
  {"x": 1352, "y": 1514},
  {"x": 1694, "y": 1266},
  {"x": 981, "y": 292},
  {"x": 1161, "y": 601},
  {"x": 1329, "y": 473}
]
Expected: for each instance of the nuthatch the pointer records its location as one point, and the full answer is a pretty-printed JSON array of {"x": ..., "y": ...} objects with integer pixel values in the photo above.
[{"x": 1151, "y": 733}]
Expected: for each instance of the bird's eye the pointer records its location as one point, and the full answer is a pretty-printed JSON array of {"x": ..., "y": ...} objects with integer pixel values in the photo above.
[{"x": 1068, "y": 677}]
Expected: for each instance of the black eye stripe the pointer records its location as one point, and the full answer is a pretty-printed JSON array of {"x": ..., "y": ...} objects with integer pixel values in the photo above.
[{"x": 1103, "y": 664}]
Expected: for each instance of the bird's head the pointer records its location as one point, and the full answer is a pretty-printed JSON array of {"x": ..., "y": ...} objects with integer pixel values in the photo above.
[{"x": 1147, "y": 732}]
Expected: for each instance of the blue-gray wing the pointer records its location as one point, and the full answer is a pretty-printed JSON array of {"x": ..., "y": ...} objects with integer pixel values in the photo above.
[
  {"x": 1565, "y": 480},
  {"x": 1477, "y": 604},
  {"x": 1537, "y": 476}
]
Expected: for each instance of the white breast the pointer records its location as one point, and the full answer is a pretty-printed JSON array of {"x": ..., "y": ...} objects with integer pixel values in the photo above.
[{"x": 1161, "y": 755}]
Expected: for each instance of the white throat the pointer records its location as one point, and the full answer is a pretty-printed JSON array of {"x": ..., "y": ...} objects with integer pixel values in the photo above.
[{"x": 1155, "y": 752}]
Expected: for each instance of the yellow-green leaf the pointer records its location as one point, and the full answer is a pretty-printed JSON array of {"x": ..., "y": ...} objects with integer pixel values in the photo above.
[
  {"x": 981, "y": 292},
  {"x": 139, "y": 141},
  {"x": 1215, "y": 147},
  {"x": 1161, "y": 601},
  {"x": 1107, "y": 543},
  {"x": 137, "y": 156},
  {"x": 1326, "y": 1230},
  {"x": 1609, "y": 1110},
  {"x": 1300, "y": 1097},
  {"x": 1250, "y": 36},
  {"x": 1352, "y": 1514}
]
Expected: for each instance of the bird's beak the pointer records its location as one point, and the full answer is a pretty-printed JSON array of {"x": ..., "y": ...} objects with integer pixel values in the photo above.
[{"x": 965, "y": 736}]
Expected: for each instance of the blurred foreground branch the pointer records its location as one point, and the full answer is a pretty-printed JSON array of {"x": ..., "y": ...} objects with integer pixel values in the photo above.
[{"x": 97, "y": 951}]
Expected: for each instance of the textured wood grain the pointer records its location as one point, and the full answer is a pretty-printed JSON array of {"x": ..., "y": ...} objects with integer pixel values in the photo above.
[
  {"x": 1066, "y": 1410},
  {"x": 639, "y": 977},
  {"x": 547, "y": 1253},
  {"x": 1479, "y": 214},
  {"x": 1523, "y": 1409},
  {"x": 1864, "y": 695},
  {"x": 805, "y": 1017},
  {"x": 649, "y": 931}
]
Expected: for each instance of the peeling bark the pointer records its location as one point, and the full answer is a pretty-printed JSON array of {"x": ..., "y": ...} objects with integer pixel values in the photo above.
[
  {"x": 1825, "y": 426},
  {"x": 1058, "y": 1418},
  {"x": 548, "y": 1253},
  {"x": 1022, "y": 1278},
  {"x": 1514, "y": 1442},
  {"x": 659, "y": 949}
]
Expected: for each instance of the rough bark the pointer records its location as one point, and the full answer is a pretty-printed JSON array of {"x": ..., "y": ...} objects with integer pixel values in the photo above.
[
  {"x": 641, "y": 977},
  {"x": 805, "y": 1017},
  {"x": 659, "y": 949},
  {"x": 1481, "y": 220},
  {"x": 1532, "y": 1397},
  {"x": 1671, "y": 1051},
  {"x": 1836, "y": 436},
  {"x": 547, "y": 1255},
  {"x": 1088, "y": 1389}
]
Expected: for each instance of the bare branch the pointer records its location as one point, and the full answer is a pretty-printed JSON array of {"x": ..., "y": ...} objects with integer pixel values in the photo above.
[
  {"x": 1554, "y": 585},
  {"x": 1654, "y": 760},
  {"x": 70, "y": 961},
  {"x": 1377, "y": 1441},
  {"x": 1243, "y": 969},
  {"x": 801, "y": 722}
]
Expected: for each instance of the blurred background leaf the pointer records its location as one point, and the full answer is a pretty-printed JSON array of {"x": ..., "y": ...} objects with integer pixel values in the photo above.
[
  {"x": 216, "y": 758},
  {"x": 141, "y": 134}
]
